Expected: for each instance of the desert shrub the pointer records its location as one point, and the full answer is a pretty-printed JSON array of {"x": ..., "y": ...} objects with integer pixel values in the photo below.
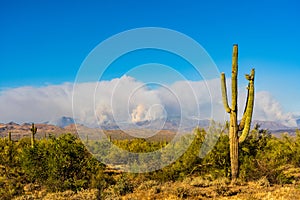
[
  {"x": 61, "y": 164},
  {"x": 200, "y": 182},
  {"x": 181, "y": 192},
  {"x": 123, "y": 186},
  {"x": 217, "y": 162},
  {"x": 296, "y": 149},
  {"x": 278, "y": 159},
  {"x": 147, "y": 185},
  {"x": 250, "y": 149},
  {"x": 186, "y": 163},
  {"x": 12, "y": 177}
]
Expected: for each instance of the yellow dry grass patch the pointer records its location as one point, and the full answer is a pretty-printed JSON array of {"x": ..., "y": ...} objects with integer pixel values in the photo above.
[{"x": 195, "y": 188}]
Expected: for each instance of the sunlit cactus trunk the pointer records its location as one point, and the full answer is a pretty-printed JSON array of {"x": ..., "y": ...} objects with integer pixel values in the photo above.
[
  {"x": 9, "y": 136},
  {"x": 10, "y": 152},
  {"x": 87, "y": 139},
  {"x": 237, "y": 132},
  {"x": 33, "y": 132}
]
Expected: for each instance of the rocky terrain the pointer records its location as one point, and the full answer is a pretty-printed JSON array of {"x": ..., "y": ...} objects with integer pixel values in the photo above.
[
  {"x": 45, "y": 130},
  {"x": 23, "y": 130},
  {"x": 66, "y": 125}
]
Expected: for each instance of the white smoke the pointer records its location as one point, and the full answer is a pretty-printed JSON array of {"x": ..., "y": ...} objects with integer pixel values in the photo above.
[
  {"x": 122, "y": 100},
  {"x": 126, "y": 100},
  {"x": 266, "y": 107},
  {"x": 36, "y": 104},
  {"x": 138, "y": 114}
]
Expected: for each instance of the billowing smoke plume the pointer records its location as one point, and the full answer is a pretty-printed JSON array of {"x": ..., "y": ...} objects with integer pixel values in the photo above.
[
  {"x": 266, "y": 107},
  {"x": 126, "y": 100},
  {"x": 31, "y": 104}
]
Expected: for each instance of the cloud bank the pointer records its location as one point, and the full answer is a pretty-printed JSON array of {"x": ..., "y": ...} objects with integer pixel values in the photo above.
[{"x": 127, "y": 100}]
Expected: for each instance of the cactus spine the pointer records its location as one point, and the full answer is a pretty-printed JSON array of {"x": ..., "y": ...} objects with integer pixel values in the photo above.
[
  {"x": 33, "y": 132},
  {"x": 237, "y": 132}
]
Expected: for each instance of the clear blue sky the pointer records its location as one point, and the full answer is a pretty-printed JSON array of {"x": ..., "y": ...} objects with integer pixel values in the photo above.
[{"x": 45, "y": 42}]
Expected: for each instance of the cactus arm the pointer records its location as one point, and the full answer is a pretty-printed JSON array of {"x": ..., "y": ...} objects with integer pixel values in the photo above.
[
  {"x": 224, "y": 93},
  {"x": 242, "y": 123},
  {"x": 249, "y": 109}
]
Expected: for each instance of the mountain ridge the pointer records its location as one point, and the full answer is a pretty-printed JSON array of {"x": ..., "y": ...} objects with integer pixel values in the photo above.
[{"x": 66, "y": 125}]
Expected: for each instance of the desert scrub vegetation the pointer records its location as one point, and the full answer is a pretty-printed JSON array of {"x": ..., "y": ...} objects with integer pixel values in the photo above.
[
  {"x": 62, "y": 168},
  {"x": 53, "y": 164}
]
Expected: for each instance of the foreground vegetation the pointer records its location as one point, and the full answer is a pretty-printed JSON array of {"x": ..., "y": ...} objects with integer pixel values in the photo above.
[{"x": 62, "y": 168}]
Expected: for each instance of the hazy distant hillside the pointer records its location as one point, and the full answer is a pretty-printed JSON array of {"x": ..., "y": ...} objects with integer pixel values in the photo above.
[
  {"x": 23, "y": 130},
  {"x": 171, "y": 123},
  {"x": 44, "y": 130},
  {"x": 270, "y": 125},
  {"x": 141, "y": 129}
]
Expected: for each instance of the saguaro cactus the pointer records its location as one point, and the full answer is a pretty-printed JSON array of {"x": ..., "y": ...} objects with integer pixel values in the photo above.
[
  {"x": 9, "y": 136},
  {"x": 237, "y": 132},
  {"x": 33, "y": 132}
]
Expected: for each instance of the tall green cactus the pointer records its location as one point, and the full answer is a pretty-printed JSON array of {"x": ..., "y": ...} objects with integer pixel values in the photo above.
[
  {"x": 9, "y": 136},
  {"x": 33, "y": 132},
  {"x": 10, "y": 148},
  {"x": 237, "y": 132}
]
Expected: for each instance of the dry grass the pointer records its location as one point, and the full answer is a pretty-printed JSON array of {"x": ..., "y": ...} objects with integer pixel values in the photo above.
[
  {"x": 190, "y": 188},
  {"x": 67, "y": 195},
  {"x": 199, "y": 188},
  {"x": 270, "y": 193}
]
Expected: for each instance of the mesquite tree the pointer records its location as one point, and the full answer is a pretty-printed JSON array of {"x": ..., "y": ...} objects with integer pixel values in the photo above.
[{"x": 237, "y": 132}]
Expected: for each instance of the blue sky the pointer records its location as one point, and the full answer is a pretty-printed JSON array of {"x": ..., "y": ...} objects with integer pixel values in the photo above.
[{"x": 45, "y": 42}]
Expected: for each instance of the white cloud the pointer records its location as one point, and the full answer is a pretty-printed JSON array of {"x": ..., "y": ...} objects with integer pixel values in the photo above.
[{"x": 128, "y": 100}]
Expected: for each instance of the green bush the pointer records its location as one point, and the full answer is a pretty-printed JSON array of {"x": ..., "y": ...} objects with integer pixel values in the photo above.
[
  {"x": 123, "y": 186},
  {"x": 61, "y": 164}
]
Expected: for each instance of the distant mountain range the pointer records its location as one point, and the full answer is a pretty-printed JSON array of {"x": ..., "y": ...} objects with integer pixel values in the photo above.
[
  {"x": 44, "y": 130},
  {"x": 190, "y": 124},
  {"x": 171, "y": 124},
  {"x": 66, "y": 125}
]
